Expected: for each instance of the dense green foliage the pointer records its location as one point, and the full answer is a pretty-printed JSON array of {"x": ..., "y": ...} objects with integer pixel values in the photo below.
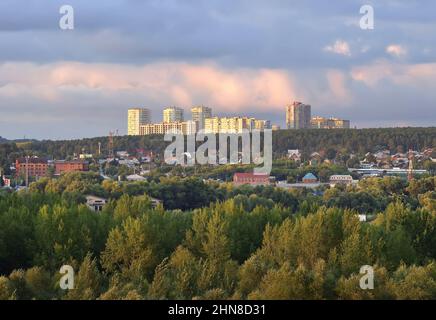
[
  {"x": 357, "y": 141},
  {"x": 245, "y": 243}
]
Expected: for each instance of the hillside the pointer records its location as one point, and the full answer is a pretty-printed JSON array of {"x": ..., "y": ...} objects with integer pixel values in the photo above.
[{"x": 357, "y": 141}]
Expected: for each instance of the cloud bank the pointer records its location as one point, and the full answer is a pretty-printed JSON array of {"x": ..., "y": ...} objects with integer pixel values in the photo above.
[{"x": 245, "y": 57}]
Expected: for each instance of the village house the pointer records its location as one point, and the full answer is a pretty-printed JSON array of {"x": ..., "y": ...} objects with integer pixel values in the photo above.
[
  {"x": 95, "y": 204},
  {"x": 310, "y": 178},
  {"x": 251, "y": 179},
  {"x": 294, "y": 155},
  {"x": 315, "y": 159}
]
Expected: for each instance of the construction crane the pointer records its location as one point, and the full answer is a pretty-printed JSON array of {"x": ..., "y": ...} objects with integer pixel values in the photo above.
[{"x": 111, "y": 144}]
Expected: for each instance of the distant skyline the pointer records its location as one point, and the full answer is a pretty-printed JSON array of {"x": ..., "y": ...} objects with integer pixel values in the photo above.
[{"x": 242, "y": 57}]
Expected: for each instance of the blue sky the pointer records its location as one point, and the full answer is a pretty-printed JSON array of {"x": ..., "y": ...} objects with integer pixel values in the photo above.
[{"x": 238, "y": 57}]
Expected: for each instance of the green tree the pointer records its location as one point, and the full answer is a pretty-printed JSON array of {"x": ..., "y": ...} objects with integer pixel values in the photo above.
[{"x": 88, "y": 281}]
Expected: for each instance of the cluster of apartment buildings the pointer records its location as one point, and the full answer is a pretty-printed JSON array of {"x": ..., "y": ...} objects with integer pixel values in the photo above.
[
  {"x": 299, "y": 116},
  {"x": 139, "y": 122}
]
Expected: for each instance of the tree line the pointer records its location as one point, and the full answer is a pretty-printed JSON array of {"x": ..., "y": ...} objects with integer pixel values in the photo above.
[{"x": 338, "y": 141}]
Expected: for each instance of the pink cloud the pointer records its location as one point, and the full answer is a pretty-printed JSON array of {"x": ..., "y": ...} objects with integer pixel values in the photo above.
[
  {"x": 413, "y": 75},
  {"x": 170, "y": 83},
  {"x": 337, "y": 82},
  {"x": 340, "y": 47},
  {"x": 396, "y": 50}
]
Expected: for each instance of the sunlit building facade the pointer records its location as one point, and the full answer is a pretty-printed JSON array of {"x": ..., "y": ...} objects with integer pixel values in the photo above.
[
  {"x": 173, "y": 114},
  {"x": 234, "y": 124},
  {"x": 137, "y": 117},
  {"x": 298, "y": 115},
  {"x": 185, "y": 127},
  {"x": 200, "y": 114},
  {"x": 329, "y": 123}
]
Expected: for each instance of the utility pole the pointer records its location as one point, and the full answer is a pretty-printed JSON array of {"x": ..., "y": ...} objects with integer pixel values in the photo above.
[
  {"x": 27, "y": 171},
  {"x": 410, "y": 171}
]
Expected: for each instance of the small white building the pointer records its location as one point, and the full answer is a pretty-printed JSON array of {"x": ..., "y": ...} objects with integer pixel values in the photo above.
[
  {"x": 341, "y": 179},
  {"x": 95, "y": 204},
  {"x": 122, "y": 154},
  {"x": 135, "y": 177},
  {"x": 85, "y": 156}
]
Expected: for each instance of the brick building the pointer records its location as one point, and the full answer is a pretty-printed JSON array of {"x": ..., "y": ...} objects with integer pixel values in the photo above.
[
  {"x": 251, "y": 179},
  {"x": 35, "y": 167},
  {"x": 62, "y": 166}
]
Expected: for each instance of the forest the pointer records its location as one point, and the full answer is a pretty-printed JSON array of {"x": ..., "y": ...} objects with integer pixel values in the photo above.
[{"x": 216, "y": 241}]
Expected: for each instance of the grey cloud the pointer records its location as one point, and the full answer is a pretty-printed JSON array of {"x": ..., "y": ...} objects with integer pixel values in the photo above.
[{"x": 276, "y": 34}]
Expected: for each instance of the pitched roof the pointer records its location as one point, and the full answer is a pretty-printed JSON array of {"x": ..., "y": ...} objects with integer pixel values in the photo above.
[{"x": 310, "y": 176}]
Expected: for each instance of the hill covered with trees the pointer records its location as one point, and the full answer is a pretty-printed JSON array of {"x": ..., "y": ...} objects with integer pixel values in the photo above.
[{"x": 358, "y": 141}]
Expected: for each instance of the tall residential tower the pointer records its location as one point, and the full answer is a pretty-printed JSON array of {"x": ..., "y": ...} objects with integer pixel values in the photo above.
[
  {"x": 172, "y": 114},
  {"x": 199, "y": 114},
  {"x": 298, "y": 115},
  {"x": 137, "y": 117}
]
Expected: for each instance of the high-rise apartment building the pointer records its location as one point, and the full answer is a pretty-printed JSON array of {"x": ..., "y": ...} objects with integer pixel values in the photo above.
[
  {"x": 341, "y": 123},
  {"x": 137, "y": 117},
  {"x": 200, "y": 114},
  {"x": 185, "y": 127},
  {"x": 329, "y": 123},
  {"x": 234, "y": 124},
  {"x": 172, "y": 114},
  {"x": 298, "y": 115},
  {"x": 212, "y": 125},
  {"x": 262, "y": 124}
]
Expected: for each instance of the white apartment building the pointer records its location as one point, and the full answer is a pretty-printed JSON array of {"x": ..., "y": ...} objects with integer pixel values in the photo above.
[
  {"x": 234, "y": 124},
  {"x": 298, "y": 115},
  {"x": 185, "y": 127},
  {"x": 173, "y": 114},
  {"x": 137, "y": 117},
  {"x": 200, "y": 114}
]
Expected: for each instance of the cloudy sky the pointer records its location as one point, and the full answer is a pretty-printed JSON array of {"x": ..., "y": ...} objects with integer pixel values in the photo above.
[{"x": 247, "y": 57}]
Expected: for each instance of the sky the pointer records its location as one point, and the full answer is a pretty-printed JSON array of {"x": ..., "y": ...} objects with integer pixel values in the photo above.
[{"x": 239, "y": 57}]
